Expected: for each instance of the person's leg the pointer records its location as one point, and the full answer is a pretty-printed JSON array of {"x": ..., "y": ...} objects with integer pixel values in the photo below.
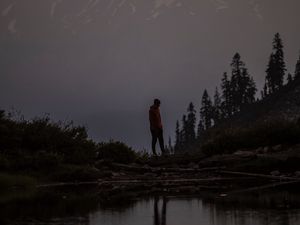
[
  {"x": 154, "y": 140},
  {"x": 161, "y": 141}
]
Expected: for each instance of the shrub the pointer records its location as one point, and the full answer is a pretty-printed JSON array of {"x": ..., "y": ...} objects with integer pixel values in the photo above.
[
  {"x": 41, "y": 143},
  {"x": 75, "y": 173},
  {"x": 8, "y": 181},
  {"x": 116, "y": 152},
  {"x": 267, "y": 133}
]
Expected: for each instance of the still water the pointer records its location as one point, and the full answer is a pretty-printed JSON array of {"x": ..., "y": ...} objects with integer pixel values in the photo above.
[{"x": 82, "y": 206}]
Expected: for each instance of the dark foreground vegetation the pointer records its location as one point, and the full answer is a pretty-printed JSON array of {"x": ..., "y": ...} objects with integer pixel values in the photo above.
[{"x": 48, "y": 151}]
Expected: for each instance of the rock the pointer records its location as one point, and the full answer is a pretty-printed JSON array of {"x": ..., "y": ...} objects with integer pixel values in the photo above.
[
  {"x": 193, "y": 165},
  {"x": 266, "y": 149},
  {"x": 115, "y": 174},
  {"x": 244, "y": 153},
  {"x": 276, "y": 148},
  {"x": 260, "y": 150},
  {"x": 297, "y": 174},
  {"x": 275, "y": 173}
]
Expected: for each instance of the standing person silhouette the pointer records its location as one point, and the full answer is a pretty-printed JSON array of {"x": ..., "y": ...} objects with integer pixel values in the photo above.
[{"x": 156, "y": 127}]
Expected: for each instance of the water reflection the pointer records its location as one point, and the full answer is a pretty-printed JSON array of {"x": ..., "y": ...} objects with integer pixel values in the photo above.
[
  {"x": 83, "y": 206},
  {"x": 160, "y": 218}
]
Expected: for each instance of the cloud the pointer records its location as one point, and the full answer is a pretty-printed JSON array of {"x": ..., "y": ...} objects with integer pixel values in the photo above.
[
  {"x": 133, "y": 8},
  {"x": 159, "y": 3},
  {"x": 53, "y": 7},
  {"x": 220, "y": 4},
  {"x": 256, "y": 9},
  {"x": 12, "y": 26},
  {"x": 6, "y": 11}
]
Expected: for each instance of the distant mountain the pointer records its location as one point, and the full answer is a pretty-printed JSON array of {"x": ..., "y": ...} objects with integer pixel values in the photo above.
[{"x": 19, "y": 17}]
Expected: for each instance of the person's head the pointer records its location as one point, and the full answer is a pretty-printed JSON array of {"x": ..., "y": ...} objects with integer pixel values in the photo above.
[{"x": 157, "y": 102}]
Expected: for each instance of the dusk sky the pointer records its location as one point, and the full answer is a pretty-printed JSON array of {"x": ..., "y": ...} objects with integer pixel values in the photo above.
[{"x": 102, "y": 62}]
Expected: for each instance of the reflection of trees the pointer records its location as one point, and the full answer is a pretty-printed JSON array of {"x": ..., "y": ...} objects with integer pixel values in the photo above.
[{"x": 160, "y": 218}]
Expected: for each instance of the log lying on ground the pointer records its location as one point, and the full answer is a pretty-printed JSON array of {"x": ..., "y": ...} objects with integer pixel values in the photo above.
[
  {"x": 158, "y": 181},
  {"x": 258, "y": 175},
  {"x": 161, "y": 169}
]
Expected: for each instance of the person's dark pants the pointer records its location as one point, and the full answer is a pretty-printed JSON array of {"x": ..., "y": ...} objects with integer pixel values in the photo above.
[{"x": 157, "y": 134}]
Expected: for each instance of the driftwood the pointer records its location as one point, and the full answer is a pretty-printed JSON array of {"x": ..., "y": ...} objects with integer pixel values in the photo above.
[
  {"x": 161, "y": 169},
  {"x": 61, "y": 184},
  {"x": 259, "y": 175},
  {"x": 153, "y": 181}
]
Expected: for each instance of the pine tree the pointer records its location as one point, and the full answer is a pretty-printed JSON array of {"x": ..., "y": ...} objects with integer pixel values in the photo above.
[
  {"x": 236, "y": 83},
  {"x": 200, "y": 129},
  {"x": 297, "y": 69},
  {"x": 226, "y": 105},
  {"x": 206, "y": 110},
  {"x": 217, "y": 111},
  {"x": 276, "y": 67},
  {"x": 264, "y": 92},
  {"x": 248, "y": 88},
  {"x": 178, "y": 140},
  {"x": 190, "y": 124},
  {"x": 183, "y": 132},
  {"x": 289, "y": 78}
]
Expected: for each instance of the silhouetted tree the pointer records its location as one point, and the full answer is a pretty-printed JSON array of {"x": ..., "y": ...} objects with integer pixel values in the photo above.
[
  {"x": 217, "y": 110},
  {"x": 264, "y": 92},
  {"x": 200, "y": 129},
  {"x": 226, "y": 105},
  {"x": 289, "y": 78},
  {"x": 178, "y": 140},
  {"x": 297, "y": 69},
  {"x": 206, "y": 110},
  {"x": 183, "y": 132},
  {"x": 190, "y": 124},
  {"x": 236, "y": 83},
  {"x": 276, "y": 67},
  {"x": 248, "y": 88}
]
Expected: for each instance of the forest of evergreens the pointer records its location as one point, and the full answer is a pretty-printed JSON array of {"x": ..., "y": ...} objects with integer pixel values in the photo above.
[{"x": 237, "y": 91}]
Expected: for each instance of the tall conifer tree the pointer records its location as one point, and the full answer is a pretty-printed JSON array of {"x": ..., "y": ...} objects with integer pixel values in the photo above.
[
  {"x": 206, "y": 110},
  {"x": 276, "y": 67},
  {"x": 226, "y": 105},
  {"x": 297, "y": 69},
  {"x": 190, "y": 124},
  {"x": 217, "y": 107},
  {"x": 177, "y": 137},
  {"x": 236, "y": 84}
]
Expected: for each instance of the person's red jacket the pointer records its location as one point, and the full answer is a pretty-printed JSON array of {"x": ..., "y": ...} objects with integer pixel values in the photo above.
[{"x": 154, "y": 118}]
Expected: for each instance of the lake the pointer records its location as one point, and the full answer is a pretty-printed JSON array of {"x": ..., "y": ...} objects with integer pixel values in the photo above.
[{"x": 86, "y": 206}]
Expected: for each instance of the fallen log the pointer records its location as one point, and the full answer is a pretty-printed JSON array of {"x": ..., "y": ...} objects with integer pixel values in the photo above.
[
  {"x": 163, "y": 181},
  {"x": 161, "y": 169},
  {"x": 258, "y": 175},
  {"x": 61, "y": 184}
]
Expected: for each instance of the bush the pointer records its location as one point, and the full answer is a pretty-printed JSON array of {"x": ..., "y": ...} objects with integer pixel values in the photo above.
[
  {"x": 8, "y": 181},
  {"x": 74, "y": 173},
  {"x": 41, "y": 143},
  {"x": 116, "y": 152},
  {"x": 267, "y": 133}
]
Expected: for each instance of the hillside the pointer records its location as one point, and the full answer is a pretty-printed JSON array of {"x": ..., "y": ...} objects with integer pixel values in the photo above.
[{"x": 282, "y": 105}]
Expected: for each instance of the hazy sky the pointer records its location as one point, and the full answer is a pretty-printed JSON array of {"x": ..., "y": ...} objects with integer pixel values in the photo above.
[{"x": 101, "y": 62}]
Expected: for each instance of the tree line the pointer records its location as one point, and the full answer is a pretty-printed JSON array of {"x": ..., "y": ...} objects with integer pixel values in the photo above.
[{"x": 236, "y": 91}]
